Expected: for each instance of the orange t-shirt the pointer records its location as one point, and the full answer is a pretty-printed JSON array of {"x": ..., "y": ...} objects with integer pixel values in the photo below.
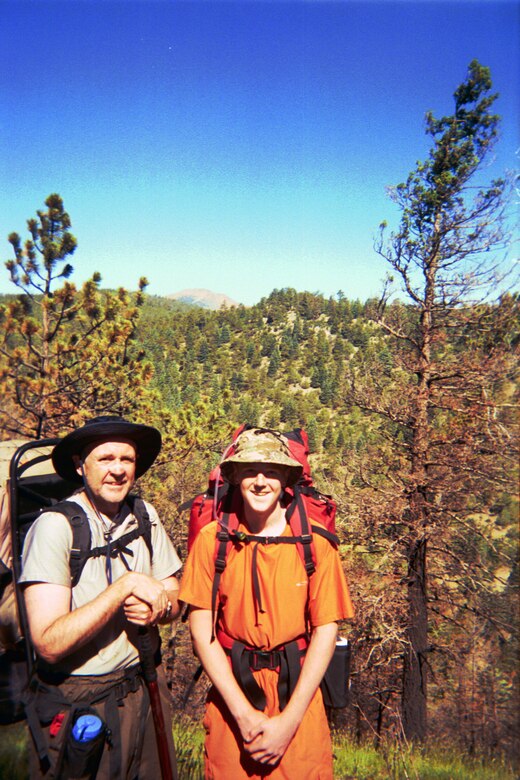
[{"x": 287, "y": 594}]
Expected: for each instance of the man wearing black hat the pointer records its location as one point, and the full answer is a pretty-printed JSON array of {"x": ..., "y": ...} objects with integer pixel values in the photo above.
[{"x": 86, "y": 633}]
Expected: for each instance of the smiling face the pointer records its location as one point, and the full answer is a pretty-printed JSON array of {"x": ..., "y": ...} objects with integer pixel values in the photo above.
[
  {"x": 261, "y": 486},
  {"x": 109, "y": 471}
]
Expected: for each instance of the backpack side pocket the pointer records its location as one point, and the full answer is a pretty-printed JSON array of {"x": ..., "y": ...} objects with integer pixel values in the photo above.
[{"x": 83, "y": 745}]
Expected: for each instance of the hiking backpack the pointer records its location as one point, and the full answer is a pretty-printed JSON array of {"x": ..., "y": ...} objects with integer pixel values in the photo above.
[{"x": 33, "y": 487}]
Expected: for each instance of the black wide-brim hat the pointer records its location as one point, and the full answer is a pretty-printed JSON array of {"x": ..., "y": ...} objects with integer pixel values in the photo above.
[{"x": 147, "y": 441}]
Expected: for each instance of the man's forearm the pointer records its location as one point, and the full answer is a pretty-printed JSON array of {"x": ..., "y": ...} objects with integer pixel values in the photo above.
[
  {"x": 56, "y": 636},
  {"x": 171, "y": 585},
  {"x": 57, "y": 631}
]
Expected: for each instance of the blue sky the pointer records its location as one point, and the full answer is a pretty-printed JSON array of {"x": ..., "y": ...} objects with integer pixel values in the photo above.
[{"x": 235, "y": 146}]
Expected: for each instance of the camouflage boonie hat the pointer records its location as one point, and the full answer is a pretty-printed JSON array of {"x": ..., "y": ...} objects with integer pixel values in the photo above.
[{"x": 261, "y": 446}]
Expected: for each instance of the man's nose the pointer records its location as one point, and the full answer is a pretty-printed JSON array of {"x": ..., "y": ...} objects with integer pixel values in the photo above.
[
  {"x": 260, "y": 478},
  {"x": 117, "y": 467}
]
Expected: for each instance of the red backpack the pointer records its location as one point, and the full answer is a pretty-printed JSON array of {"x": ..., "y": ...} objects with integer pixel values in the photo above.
[
  {"x": 303, "y": 503},
  {"x": 217, "y": 498}
]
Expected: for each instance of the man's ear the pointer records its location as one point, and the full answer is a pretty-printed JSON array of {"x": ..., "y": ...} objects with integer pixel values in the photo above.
[{"x": 77, "y": 464}]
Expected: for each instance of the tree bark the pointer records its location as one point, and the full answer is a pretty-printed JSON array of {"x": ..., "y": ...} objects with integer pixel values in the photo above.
[{"x": 415, "y": 678}]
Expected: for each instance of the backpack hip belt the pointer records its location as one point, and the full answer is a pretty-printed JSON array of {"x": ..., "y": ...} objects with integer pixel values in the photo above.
[{"x": 285, "y": 659}]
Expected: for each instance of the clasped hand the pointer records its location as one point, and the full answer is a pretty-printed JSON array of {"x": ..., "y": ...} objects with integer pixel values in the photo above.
[
  {"x": 271, "y": 739},
  {"x": 148, "y": 601}
]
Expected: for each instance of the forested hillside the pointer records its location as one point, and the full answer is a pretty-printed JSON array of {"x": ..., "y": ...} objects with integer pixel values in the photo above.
[
  {"x": 280, "y": 362},
  {"x": 297, "y": 359}
]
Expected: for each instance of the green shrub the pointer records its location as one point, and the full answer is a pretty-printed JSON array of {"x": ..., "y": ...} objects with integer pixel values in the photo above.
[
  {"x": 394, "y": 761},
  {"x": 13, "y": 752},
  {"x": 189, "y": 746}
]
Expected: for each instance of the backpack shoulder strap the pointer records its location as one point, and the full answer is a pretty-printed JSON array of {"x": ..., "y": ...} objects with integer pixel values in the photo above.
[
  {"x": 81, "y": 536},
  {"x": 296, "y": 516},
  {"x": 328, "y": 535},
  {"x": 227, "y": 525},
  {"x": 302, "y": 530},
  {"x": 140, "y": 512},
  {"x": 82, "y": 549},
  {"x": 119, "y": 547}
]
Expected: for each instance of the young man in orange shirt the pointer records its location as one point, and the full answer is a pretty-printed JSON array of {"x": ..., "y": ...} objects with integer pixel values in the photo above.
[{"x": 258, "y": 724}]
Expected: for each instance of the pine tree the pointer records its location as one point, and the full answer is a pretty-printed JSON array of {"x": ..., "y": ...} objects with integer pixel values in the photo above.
[
  {"x": 64, "y": 353},
  {"x": 451, "y": 435},
  {"x": 312, "y": 429},
  {"x": 274, "y": 363}
]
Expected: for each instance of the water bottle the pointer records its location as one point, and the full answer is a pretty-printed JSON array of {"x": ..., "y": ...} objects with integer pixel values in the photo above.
[
  {"x": 83, "y": 747},
  {"x": 335, "y": 683},
  {"x": 86, "y": 728}
]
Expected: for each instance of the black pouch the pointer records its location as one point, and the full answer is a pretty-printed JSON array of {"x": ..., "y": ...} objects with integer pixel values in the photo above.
[
  {"x": 335, "y": 683},
  {"x": 80, "y": 760}
]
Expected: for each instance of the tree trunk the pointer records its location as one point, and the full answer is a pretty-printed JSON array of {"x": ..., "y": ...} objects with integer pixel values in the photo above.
[
  {"x": 415, "y": 667},
  {"x": 414, "y": 697}
]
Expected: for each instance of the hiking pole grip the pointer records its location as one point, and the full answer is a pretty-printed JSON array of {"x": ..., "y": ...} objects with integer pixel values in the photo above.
[{"x": 146, "y": 657}]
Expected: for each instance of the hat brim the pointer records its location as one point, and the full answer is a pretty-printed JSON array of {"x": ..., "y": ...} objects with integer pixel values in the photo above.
[
  {"x": 147, "y": 441},
  {"x": 293, "y": 469}
]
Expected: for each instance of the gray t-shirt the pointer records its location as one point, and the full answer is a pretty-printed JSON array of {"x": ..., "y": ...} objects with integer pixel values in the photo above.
[{"x": 46, "y": 556}]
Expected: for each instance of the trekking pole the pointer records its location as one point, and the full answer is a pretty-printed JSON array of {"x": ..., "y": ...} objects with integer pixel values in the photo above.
[
  {"x": 190, "y": 687},
  {"x": 146, "y": 657}
]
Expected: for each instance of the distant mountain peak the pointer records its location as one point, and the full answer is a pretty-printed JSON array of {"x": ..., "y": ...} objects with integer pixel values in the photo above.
[{"x": 206, "y": 299}]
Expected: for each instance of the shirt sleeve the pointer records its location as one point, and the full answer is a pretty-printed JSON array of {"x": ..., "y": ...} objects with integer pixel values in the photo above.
[
  {"x": 165, "y": 561},
  {"x": 46, "y": 550},
  {"x": 329, "y": 597},
  {"x": 197, "y": 579}
]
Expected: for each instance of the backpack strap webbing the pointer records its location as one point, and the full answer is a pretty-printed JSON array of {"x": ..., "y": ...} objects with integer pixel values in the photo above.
[
  {"x": 223, "y": 540},
  {"x": 81, "y": 549},
  {"x": 328, "y": 535},
  {"x": 238, "y": 537},
  {"x": 285, "y": 659},
  {"x": 81, "y": 536},
  {"x": 228, "y": 535},
  {"x": 296, "y": 516},
  {"x": 227, "y": 522}
]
